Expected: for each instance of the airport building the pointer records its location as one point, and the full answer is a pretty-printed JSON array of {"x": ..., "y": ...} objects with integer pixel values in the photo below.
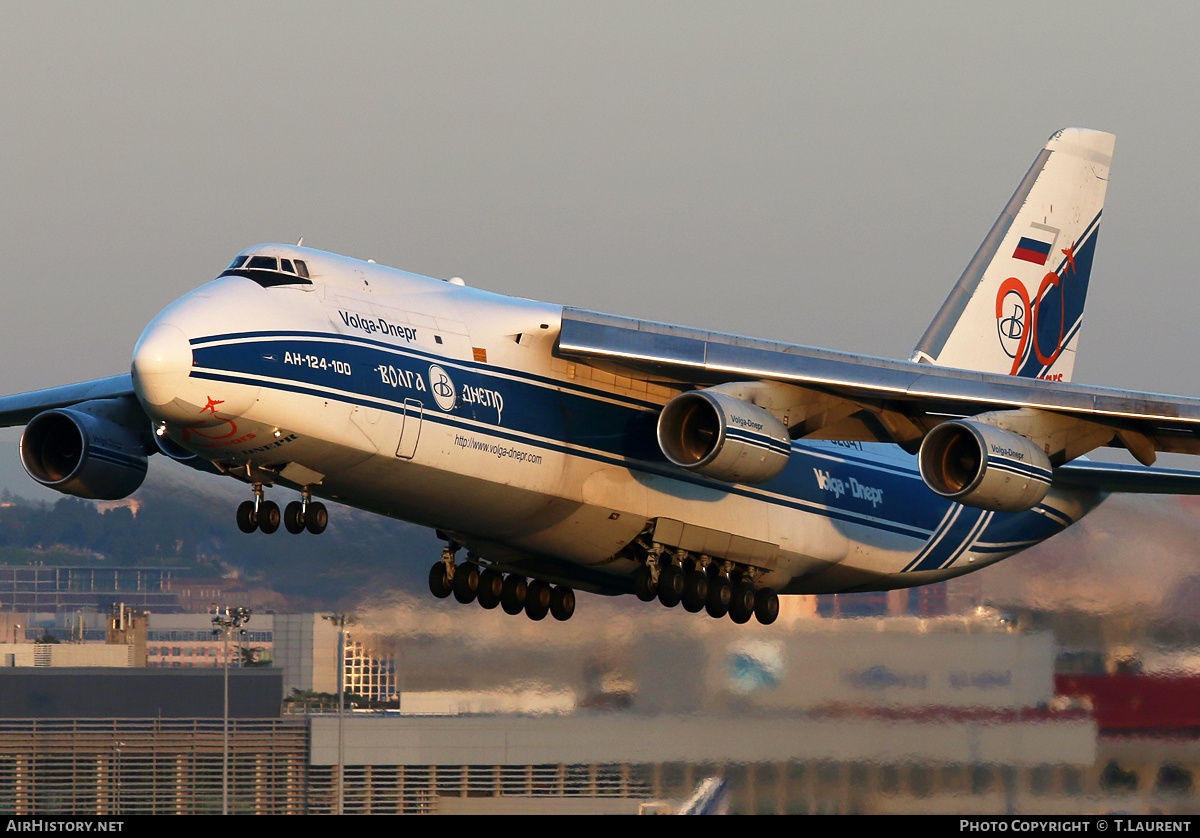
[
  {"x": 948, "y": 715},
  {"x": 188, "y": 641},
  {"x": 84, "y": 588},
  {"x": 90, "y": 638},
  {"x": 95, "y": 588},
  {"x": 306, "y": 649},
  {"x": 615, "y": 762}
]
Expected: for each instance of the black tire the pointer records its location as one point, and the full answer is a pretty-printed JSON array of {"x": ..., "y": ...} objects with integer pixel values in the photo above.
[
  {"x": 562, "y": 603},
  {"x": 466, "y": 582},
  {"x": 670, "y": 585},
  {"x": 695, "y": 590},
  {"x": 439, "y": 580},
  {"x": 491, "y": 588},
  {"x": 268, "y": 516},
  {"x": 537, "y": 600},
  {"x": 293, "y": 517},
  {"x": 741, "y": 607},
  {"x": 316, "y": 518},
  {"x": 720, "y": 594},
  {"x": 512, "y": 598},
  {"x": 246, "y": 520},
  {"x": 643, "y": 585},
  {"x": 766, "y": 606}
]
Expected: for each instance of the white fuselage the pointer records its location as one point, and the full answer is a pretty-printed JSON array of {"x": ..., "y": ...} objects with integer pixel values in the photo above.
[{"x": 448, "y": 407}]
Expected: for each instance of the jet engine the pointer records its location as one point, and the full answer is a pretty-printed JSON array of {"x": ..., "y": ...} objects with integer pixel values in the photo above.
[
  {"x": 173, "y": 450},
  {"x": 89, "y": 449},
  {"x": 723, "y": 437},
  {"x": 983, "y": 466}
]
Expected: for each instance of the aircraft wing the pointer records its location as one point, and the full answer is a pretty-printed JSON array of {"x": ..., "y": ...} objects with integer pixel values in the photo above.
[
  {"x": 880, "y": 399},
  {"x": 1118, "y": 477},
  {"x": 18, "y": 409}
]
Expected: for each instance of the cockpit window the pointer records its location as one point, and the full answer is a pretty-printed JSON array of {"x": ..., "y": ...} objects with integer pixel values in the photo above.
[{"x": 268, "y": 271}]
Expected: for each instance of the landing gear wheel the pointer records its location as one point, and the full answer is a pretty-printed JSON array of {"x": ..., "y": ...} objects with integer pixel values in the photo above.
[
  {"x": 643, "y": 584},
  {"x": 537, "y": 600},
  {"x": 491, "y": 588},
  {"x": 246, "y": 521},
  {"x": 512, "y": 598},
  {"x": 670, "y": 585},
  {"x": 316, "y": 518},
  {"x": 293, "y": 517},
  {"x": 695, "y": 590},
  {"x": 268, "y": 516},
  {"x": 439, "y": 580},
  {"x": 766, "y": 606},
  {"x": 466, "y": 582},
  {"x": 562, "y": 603},
  {"x": 741, "y": 607},
  {"x": 720, "y": 593}
]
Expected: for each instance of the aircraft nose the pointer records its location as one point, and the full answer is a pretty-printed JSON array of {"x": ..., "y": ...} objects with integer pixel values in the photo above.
[{"x": 162, "y": 361}]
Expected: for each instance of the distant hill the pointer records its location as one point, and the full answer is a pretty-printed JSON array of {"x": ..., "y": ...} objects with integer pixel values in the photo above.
[{"x": 186, "y": 519}]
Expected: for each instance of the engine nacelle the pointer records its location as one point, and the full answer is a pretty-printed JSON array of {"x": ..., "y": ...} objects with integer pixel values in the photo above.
[
  {"x": 88, "y": 450},
  {"x": 722, "y": 437},
  {"x": 982, "y": 466},
  {"x": 170, "y": 448},
  {"x": 173, "y": 450}
]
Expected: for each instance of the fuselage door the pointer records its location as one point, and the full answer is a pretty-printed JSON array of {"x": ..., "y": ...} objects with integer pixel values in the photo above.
[{"x": 410, "y": 429}]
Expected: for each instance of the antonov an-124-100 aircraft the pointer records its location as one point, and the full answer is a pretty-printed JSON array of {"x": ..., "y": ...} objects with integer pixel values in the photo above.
[{"x": 555, "y": 449}]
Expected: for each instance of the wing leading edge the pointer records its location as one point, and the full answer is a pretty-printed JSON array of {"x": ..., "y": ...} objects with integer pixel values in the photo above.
[
  {"x": 883, "y": 400},
  {"x": 18, "y": 409},
  {"x": 1117, "y": 477}
]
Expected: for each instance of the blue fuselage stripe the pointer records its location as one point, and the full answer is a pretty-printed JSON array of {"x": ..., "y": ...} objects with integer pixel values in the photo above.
[
  {"x": 1020, "y": 469},
  {"x": 561, "y": 417}
]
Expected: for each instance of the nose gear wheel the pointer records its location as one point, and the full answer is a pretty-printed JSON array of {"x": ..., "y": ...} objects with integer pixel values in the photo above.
[{"x": 296, "y": 517}]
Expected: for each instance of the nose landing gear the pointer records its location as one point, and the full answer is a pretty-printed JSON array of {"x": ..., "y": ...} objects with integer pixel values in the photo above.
[
  {"x": 305, "y": 514},
  {"x": 258, "y": 514},
  {"x": 297, "y": 516}
]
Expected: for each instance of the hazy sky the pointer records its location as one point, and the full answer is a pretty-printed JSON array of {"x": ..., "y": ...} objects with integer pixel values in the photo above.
[{"x": 819, "y": 173}]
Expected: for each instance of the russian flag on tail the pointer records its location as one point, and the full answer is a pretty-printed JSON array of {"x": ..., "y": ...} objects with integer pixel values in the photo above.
[
  {"x": 1032, "y": 250},
  {"x": 1035, "y": 246}
]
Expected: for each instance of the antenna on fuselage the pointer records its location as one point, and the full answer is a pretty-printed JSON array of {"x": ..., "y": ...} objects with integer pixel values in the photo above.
[{"x": 301, "y": 242}]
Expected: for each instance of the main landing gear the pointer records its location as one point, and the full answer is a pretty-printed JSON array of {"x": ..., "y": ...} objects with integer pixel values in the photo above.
[
  {"x": 700, "y": 583},
  {"x": 490, "y": 588},
  {"x": 297, "y": 516}
]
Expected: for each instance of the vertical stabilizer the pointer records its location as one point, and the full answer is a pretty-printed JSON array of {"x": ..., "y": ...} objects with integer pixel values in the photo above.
[{"x": 1018, "y": 307}]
